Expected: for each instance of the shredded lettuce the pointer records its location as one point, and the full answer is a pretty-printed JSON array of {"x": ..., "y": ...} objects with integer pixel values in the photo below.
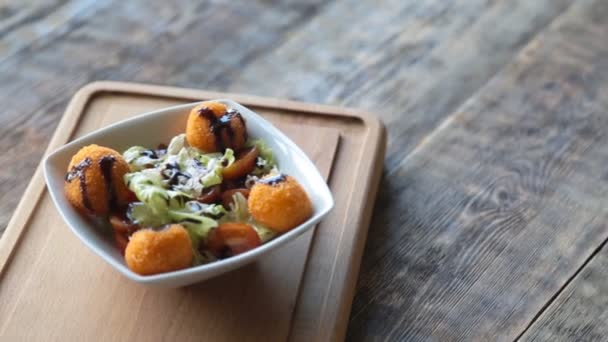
[
  {"x": 147, "y": 186},
  {"x": 265, "y": 150},
  {"x": 198, "y": 226},
  {"x": 141, "y": 214},
  {"x": 198, "y": 218},
  {"x": 185, "y": 171},
  {"x": 215, "y": 163},
  {"x": 225, "y": 160},
  {"x": 177, "y": 144},
  {"x": 266, "y": 161},
  {"x": 168, "y": 184},
  {"x": 140, "y": 158},
  {"x": 214, "y": 176}
]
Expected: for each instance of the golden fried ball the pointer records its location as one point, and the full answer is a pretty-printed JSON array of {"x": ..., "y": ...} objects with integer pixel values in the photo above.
[
  {"x": 152, "y": 252},
  {"x": 279, "y": 202},
  {"x": 198, "y": 129},
  {"x": 94, "y": 181},
  {"x": 212, "y": 127}
]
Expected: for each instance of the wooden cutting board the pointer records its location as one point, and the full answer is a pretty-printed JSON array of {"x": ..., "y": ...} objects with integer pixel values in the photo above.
[{"x": 53, "y": 288}]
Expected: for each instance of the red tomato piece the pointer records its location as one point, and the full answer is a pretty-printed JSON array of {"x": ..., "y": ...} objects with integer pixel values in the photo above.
[
  {"x": 121, "y": 240},
  {"x": 121, "y": 225},
  {"x": 227, "y": 196},
  {"x": 232, "y": 238}
]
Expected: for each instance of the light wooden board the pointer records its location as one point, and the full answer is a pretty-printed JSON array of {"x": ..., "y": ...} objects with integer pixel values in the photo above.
[{"x": 49, "y": 278}]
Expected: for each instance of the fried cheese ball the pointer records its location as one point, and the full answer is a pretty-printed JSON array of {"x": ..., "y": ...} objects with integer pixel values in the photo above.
[
  {"x": 279, "y": 202},
  {"x": 212, "y": 127},
  {"x": 152, "y": 252},
  {"x": 94, "y": 180}
]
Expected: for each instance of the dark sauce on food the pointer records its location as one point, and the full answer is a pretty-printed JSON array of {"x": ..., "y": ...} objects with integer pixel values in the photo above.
[
  {"x": 174, "y": 175},
  {"x": 78, "y": 171},
  {"x": 150, "y": 154},
  {"x": 273, "y": 180},
  {"x": 105, "y": 165},
  {"x": 222, "y": 127}
]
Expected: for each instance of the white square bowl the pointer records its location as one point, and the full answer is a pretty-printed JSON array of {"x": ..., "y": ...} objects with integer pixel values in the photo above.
[{"x": 160, "y": 126}]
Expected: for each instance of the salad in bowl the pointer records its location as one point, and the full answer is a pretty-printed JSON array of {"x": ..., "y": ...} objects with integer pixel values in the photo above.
[{"x": 210, "y": 193}]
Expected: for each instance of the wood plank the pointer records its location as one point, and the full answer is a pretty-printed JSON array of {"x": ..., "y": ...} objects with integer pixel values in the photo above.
[
  {"x": 26, "y": 23},
  {"x": 124, "y": 40},
  {"x": 579, "y": 313},
  {"x": 502, "y": 204},
  {"x": 412, "y": 62}
]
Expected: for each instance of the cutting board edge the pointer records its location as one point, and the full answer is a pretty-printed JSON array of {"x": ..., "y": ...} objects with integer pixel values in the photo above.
[{"x": 375, "y": 143}]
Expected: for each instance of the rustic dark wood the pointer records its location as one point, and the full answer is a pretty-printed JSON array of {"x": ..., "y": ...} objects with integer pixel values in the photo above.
[
  {"x": 444, "y": 244},
  {"x": 580, "y": 311},
  {"x": 503, "y": 203},
  {"x": 412, "y": 62}
]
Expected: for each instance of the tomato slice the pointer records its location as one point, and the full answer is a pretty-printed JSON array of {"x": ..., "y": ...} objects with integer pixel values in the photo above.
[
  {"x": 240, "y": 237},
  {"x": 122, "y": 230},
  {"x": 131, "y": 197},
  {"x": 227, "y": 198},
  {"x": 244, "y": 164},
  {"x": 215, "y": 244},
  {"x": 210, "y": 195},
  {"x": 121, "y": 225},
  {"x": 121, "y": 240},
  {"x": 232, "y": 238}
]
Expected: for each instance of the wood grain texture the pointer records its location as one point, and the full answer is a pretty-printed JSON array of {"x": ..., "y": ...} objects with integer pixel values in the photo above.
[
  {"x": 579, "y": 313},
  {"x": 24, "y": 24},
  {"x": 118, "y": 40},
  {"x": 412, "y": 62},
  {"x": 503, "y": 203}
]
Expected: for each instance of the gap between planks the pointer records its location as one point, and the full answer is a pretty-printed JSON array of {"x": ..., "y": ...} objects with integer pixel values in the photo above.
[
  {"x": 446, "y": 123},
  {"x": 567, "y": 283}
]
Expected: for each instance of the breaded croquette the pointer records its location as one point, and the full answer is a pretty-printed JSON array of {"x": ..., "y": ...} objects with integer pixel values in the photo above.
[
  {"x": 279, "y": 202},
  {"x": 152, "y": 252},
  {"x": 94, "y": 181},
  {"x": 212, "y": 127}
]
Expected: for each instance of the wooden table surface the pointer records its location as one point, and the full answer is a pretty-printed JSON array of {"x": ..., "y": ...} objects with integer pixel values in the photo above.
[{"x": 492, "y": 215}]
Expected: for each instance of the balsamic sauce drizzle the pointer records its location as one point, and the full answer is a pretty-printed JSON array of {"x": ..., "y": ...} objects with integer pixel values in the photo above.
[
  {"x": 78, "y": 171},
  {"x": 105, "y": 165},
  {"x": 221, "y": 127},
  {"x": 273, "y": 180},
  {"x": 173, "y": 173},
  {"x": 150, "y": 154}
]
